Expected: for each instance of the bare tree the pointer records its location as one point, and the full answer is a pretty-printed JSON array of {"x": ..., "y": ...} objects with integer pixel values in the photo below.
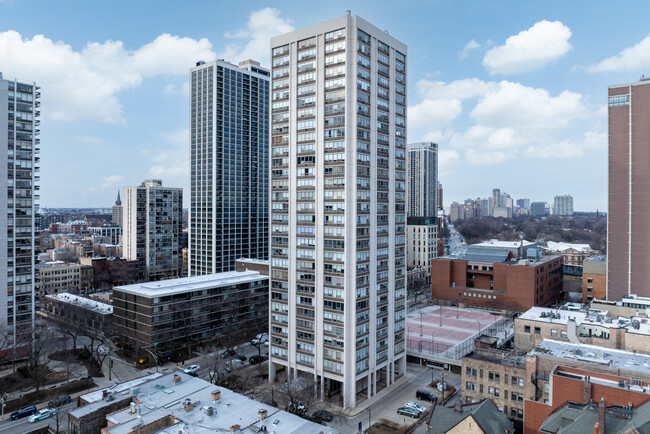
[
  {"x": 217, "y": 366},
  {"x": 299, "y": 394},
  {"x": 39, "y": 357}
]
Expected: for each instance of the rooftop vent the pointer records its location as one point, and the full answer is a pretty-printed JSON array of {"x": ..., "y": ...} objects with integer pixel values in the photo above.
[
  {"x": 187, "y": 405},
  {"x": 216, "y": 395},
  {"x": 262, "y": 413},
  {"x": 209, "y": 411},
  {"x": 235, "y": 428},
  {"x": 176, "y": 379}
]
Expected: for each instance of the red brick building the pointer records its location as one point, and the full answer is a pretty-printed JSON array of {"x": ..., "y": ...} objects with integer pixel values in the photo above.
[
  {"x": 491, "y": 278},
  {"x": 582, "y": 387}
]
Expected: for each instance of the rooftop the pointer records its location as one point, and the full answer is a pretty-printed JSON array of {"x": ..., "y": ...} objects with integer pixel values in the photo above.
[
  {"x": 195, "y": 283},
  {"x": 485, "y": 413},
  {"x": 584, "y": 316},
  {"x": 619, "y": 359},
  {"x": 86, "y": 303},
  {"x": 574, "y": 418},
  {"x": 161, "y": 397},
  {"x": 564, "y": 247},
  {"x": 117, "y": 388},
  {"x": 506, "y": 244}
]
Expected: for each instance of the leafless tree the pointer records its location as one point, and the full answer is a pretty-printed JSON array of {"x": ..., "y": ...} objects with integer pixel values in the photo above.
[
  {"x": 217, "y": 366},
  {"x": 59, "y": 414},
  {"x": 39, "y": 357},
  {"x": 298, "y": 393}
]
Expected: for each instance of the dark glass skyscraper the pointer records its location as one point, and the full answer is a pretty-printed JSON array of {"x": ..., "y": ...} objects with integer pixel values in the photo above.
[{"x": 229, "y": 152}]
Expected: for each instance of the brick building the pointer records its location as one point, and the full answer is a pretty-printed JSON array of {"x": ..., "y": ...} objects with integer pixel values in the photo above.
[
  {"x": 499, "y": 375},
  {"x": 594, "y": 278},
  {"x": 178, "y": 315},
  {"x": 574, "y": 254},
  {"x": 576, "y": 325},
  {"x": 585, "y": 386},
  {"x": 489, "y": 277},
  {"x": 80, "y": 311}
]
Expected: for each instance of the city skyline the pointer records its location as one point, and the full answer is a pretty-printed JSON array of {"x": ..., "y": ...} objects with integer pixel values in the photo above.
[{"x": 472, "y": 87}]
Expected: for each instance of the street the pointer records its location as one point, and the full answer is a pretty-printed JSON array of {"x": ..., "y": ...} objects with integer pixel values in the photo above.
[{"x": 23, "y": 425}]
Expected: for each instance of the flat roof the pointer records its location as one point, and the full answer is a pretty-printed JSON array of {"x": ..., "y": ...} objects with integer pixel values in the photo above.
[
  {"x": 86, "y": 303},
  {"x": 161, "y": 397},
  {"x": 602, "y": 356},
  {"x": 562, "y": 247},
  {"x": 118, "y": 387},
  {"x": 507, "y": 244},
  {"x": 195, "y": 283},
  {"x": 586, "y": 317}
]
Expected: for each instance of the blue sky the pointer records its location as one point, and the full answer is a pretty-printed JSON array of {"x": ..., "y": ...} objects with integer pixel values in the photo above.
[{"x": 514, "y": 92}]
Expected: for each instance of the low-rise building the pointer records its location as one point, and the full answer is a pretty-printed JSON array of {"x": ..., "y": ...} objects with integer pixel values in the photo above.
[
  {"x": 176, "y": 316},
  {"x": 111, "y": 232},
  {"x": 574, "y": 254},
  {"x": 476, "y": 418},
  {"x": 490, "y": 277},
  {"x": 247, "y": 264},
  {"x": 78, "y": 311},
  {"x": 574, "y": 323},
  {"x": 594, "y": 278},
  {"x": 177, "y": 402},
  {"x": 56, "y": 276},
  {"x": 421, "y": 243},
  {"x": 499, "y": 375}
]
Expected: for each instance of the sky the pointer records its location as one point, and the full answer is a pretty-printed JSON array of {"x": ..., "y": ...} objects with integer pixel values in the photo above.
[{"x": 514, "y": 92}]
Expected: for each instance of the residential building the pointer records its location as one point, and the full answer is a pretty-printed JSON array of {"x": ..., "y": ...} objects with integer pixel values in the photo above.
[
  {"x": 575, "y": 324},
  {"x": 489, "y": 276},
  {"x": 523, "y": 203},
  {"x": 79, "y": 311},
  {"x": 476, "y": 418},
  {"x": 563, "y": 205},
  {"x": 502, "y": 211},
  {"x": 456, "y": 212},
  {"x": 153, "y": 225},
  {"x": 574, "y": 254},
  {"x": 111, "y": 234},
  {"x": 245, "y": 264},
  {"x": 496, "y": 199},
  {"x": 58, "y": 276},
  {"x": 421, "y": 243},
  {"x": 19, "y": 167},
  {"x": 583, "y": 374},
  {"x": 594, "y": 278},
  {"x": 177, "y": 402},
  {"x": 229, "y": 165},
  {"x": 338, "y": 248},
  {"x": 76, "y": 227},
  {"x": 499, "y": 375},
  {"x": 162, "y": 315},
  {"x": 628, "y": 214},
  {"x": 117, "y": 216},
  {"x": 439, "y": 200},
  {"x": 108, "y": 272},
  {"x": 538, "y": 209},
  {"x": 422, "y": 179}
]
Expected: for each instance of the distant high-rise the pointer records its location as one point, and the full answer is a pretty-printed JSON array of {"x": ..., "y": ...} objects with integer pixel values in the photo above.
[
  {"x": 538, "y": 209},
  {"x": 117, "y": 216},
  {"x": 628, "y": 236},
  {"x": 19, "y": 163},
  {"x": 496, "y": 198},
  {"x": 422, "y": 182},
  {"x": 229, "y": 165},
  {"x": 563, "y": 205},
  {"x": 523, "y": 203},
  {"x": 153, "y": 226},
  {"x": 338, "y": 204}
]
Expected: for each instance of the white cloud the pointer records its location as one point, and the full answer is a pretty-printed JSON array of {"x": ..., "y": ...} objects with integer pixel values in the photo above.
[
  {"x": 84, "y": 84},
  {"x": 470, "y": 46},
  {"x": 636, "y": 58},
  {"x": 112, "y": 181},
  {"x": 170, "y": 163},
  {"x": 530, "y": 49},
  {"x": 261, "y": 26},
  {"x": 567, "y": 148},
  {"x": 527, "y": 108}
]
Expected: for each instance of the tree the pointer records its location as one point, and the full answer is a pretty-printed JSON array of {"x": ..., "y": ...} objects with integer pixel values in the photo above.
[
  {"x": 217, "y": 366},
  {"x": 39, "y": 357},
  {"x": 299, "y": 394}
]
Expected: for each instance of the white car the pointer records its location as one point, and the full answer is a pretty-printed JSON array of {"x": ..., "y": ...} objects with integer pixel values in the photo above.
[
  {"x": 415, "y": 405},
  {"x": 192, "y": 369},
  {"x": 260, "y": 339},
  {"x": 41, "y": 414}
]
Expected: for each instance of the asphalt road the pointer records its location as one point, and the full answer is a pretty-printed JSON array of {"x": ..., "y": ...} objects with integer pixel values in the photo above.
[{"x": 23, "y": 425}]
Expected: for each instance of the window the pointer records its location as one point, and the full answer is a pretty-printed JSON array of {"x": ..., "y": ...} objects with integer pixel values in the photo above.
[
  {"x": 527, "y": 329},
  {"x": 538, "y": 331},
  {"x": 619, "y": 100},
  {"x": 554, "y": 333},
  {"x": 545, "y": 387},
  {"x": 563, "y": 334}
]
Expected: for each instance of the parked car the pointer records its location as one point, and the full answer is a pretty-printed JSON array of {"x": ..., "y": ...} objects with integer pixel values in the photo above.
[
  {"x": 241, "y": 357},
  {"x": 192, "y": 369},
  {"x": 59, "y": 401},
  {"x": 297, "y": 407},
  {"x": 408, "y": 411},
  {"x": 228, "y": 352},
  {"x": 41, "y": 414},
  {"x": 260, "y": 339},
  {"x": 256, "y": 360},
  {"x": 25, "y": 411},
  {"x": 323, "y": 415},
  {"x": 416, "y": 406},
  {"x": 426, "y": 395}
]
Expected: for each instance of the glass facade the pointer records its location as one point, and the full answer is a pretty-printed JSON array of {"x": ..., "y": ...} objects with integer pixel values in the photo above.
[{"x": 229, "y": 166}]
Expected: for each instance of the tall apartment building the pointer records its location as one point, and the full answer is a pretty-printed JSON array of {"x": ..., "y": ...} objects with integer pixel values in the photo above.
[
  {"x": 19, "y": 165},
  {"x": 153, "y": 226},
  {"x": 229, "y": 153},
  {"x": 422, "y": 185},
  {"x": 117, "y": 215},
  {"x": 563, "y": 205},
  {"x": 496, "y": 199},
  {"x": 629, "y": 209},
  {"x": 422, "y": 243},
  {"x": 538, "y": 209},
  {"x": 338, "y": 204}
]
